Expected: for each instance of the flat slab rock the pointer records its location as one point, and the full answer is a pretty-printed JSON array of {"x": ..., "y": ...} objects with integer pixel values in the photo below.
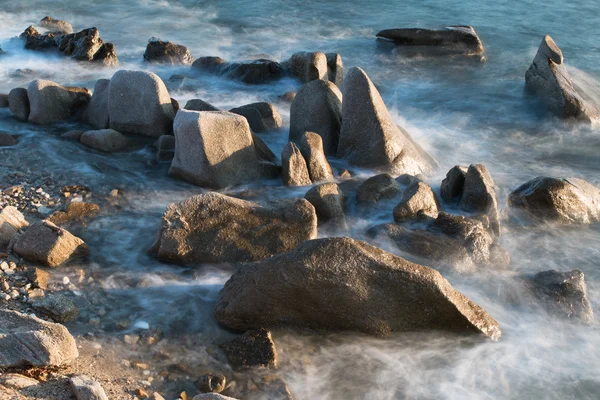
[{"x": 462, "y": 39}]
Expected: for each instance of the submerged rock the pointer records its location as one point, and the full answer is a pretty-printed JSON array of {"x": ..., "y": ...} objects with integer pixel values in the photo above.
[
  {"x": 294, "y": 169},
  {"x": 11, "y": 223},
  {"x": 3, "y": 100},
  {"x": 418, "y": 200},
  {"x": 161, "y": 52},
  {"x": 214, "y": 228},
  {"x": 56, "y": 25},
  {"x": 50, "y": 102},
  {"x": 7, "y": 139},
  {"x": 376, "y": 188},
  {"x": 97, "y": 109},
  {"x": 254, "y": 348},
  {"x": 461, "y": 39},
  {"x": 251, "y": 72},
  {"x": 354, "y": 286},
  {"x": 74, "y": 212},
  {"x": 308, "y": 66},
  {"x": 18, "y": 104},
  {"x": 107, "y": 140},
  {"x": 261, "y": 116},
  {"x": 549, "y": 79},
  {"x": 85, "y": 388}
]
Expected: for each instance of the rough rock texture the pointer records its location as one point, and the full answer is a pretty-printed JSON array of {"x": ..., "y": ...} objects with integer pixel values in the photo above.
[
  {"x": 317, "y": 108},
  {"x": 452, "y": 186},
  {"x": 214, "y": 228},
  {"x": 26, "y": 340},
  {"x": 479, "y": 195},
  {"x": 261, "y": 116},
  {"x": 254, "y": 348},
  {"x": 97, "y": 109},
  {"x": 36, "y": 41},
  {"x": 563, "y": 294},
  {"x": 76, "y": 211},
  {"x": 294, "y": 169},
  {"x": 311, "y": 147},
  {"x": 369, "y": 138},
  {"x": 58, "y": 307},
  {"x": 308, "y": 66},
  {"x": 85, "y": 388},
  {"x": 107, "y": 140},
  {"x": 345, "y": 284},
  {"x": 165, "y": 148},
  {"x": 335, "y": 68},
  {"x": 56, "y": 25},
  {"x": 418, "y": 200},
  {"x": 250, "y": 72},
  {"x": 138, "y": 102},
  {"x": 50, "y": 102},
  {"x": 18, "y": 104},
  {"x": 161, "y": 52},
  {"x": 549, "y": 79},
  {"x": 213, "y": 149},
  {"x": 199, "y": 105},
  {"x": 568, "y": 201},
  {"x": 47, "y": 244},
  {"x": 329, "y": 202},
  {"x": 376, "y": 188},
  {"x": 462, "y": 39},
  {"x": 11, "y": 223},
  {"x": 209, "y": 383},
  {"x": 262, "y": 150}
]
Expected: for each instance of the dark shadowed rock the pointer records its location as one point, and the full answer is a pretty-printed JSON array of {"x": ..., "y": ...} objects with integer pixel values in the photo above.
[
  {"x": 479, "y": 195},
  {"x": 58, "y": 307},
  {"x": 74, "y": 212},
  {"x": 262, "y": 150},
  {"x": 175, "y": 105},
  {"x": 376, "y": 188},
  {"x": 18, "y": 104},
  {"x": 87, "y": 45},
  {"x": 7, "y": 139},
  {"x": 418, "y": 201},
  {"x": 369, "y": 138},
  {"x": 161, "y": 52},
  {"x": 85, "y": 388},
  {"x": 3, "y": 100},
  {"x": 97, "y": 109},
  {"x": 72, "y": 135},
  {"x": 107, "y": 140},
  {"x": 294, "y": 170},
  {"x": 214, "y": 228},
  {"x": 254, "y": 348},
  {"x": 56, "y": 25},
  {"x": 452, "y": 186},
  {"x": 311, "y": 147},
  {"x": 38, "y": 42},
  {"x": 251, "y": 72},
  {"x": 165, "y": 148},
  {"x": 209, "y": 64},
  {"x": 335, "y": 68},
  {"x": 268, "y": 116},
  {"x": 567, "y": 201},
  {"x": 11, "y": 223},
  {"x": 288, "y": 97},
  {"x": 461, "y": 39},
  {"x": 308, "y": 66},
  {"x": 317, "y": 108},
  {"x": 329, "y": 202},
  {"x": 354, "y": 286},
  {"x": 199, "y": 105},
  {"x": 549, "y": 79},
  {"x": 50, "y": 102}
]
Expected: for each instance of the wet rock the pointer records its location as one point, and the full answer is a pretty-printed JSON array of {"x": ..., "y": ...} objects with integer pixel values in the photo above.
[
  {"x": 294, "y": 169},
  {"x": 308, "y": 66},
  {"x": 161, "y": 52},
  {"x": 49, "y": 245},
  {"x": 85, "y": 388},
  {"x": 329, "y": 202},
  {"x": 453, "y": 39},
  {"x": 11, "y": 223},
  {"x": 376, "y": 188},
  {"x": 3, "y": 100},
  {"x": 74, "y": 212},
  {"x": 175, "y": 105},
  {"x": 335, "y": 68},
  {"x": 38, "y": 278},
  {"x": 369, "y": 138},
  {"x": 166, "y": 148},
  {"x": 16, "y": 381},
  {"x": 549, "y": 79},
  {"x": 50, "y": 102},
  {"x": 250, "y": 72},
  {"x": 418, "y": 200},
  {"x": 56, "y": 25},
  {"x": 97, "y": 110},
  {"x": 212, "y": 396},
  {"x": 214, "y": 228},
  {"x": 7, "y": 140},
  {"x": 262, "y": 150},
  {"x": 567, "y": 201},
  {"x": 72, "y": 135},
  {"x": 29, "y": 341},
  {"x": 58, "y": 307},
  {"x": 107, "y": 140},
  {"x": 87, "y": 45},
  {"x": 311, "y": 147},
  {"x": 317, "y": 108},
  {"x": 214, "y": 149},
  {"x": 354, "y": 287},
  {"x": 479, "y": 195},
  {"x": 563, "y": 294},
  {"x": 18, "y": 104},
  {"x": 36, "y": 41},
  {"x": 210, "y": 383},
  {"x": 199, "y": 105},
  {"x": 288, "y": 97},
  {"x": 452, "y": 186},
  {"x": 254, "y": 348},
  {"x": 262, "y": 116},
  {"x": 138, "y": 102}
]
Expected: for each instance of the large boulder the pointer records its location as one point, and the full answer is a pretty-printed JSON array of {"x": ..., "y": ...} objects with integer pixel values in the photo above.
[
  {"x": 11, "y": 223},
  {"x": 139, "y": 103},
  {"x": 18, "y": 104},
  {"x": 250, "y": 72},
  {"x": 107, "y": 140},
  {"x": 317, "y": 108},
  {"x": 568, "y": 201},
  {"x": 29, "y": 341},
  {"x": 369, "y": 138},
  {"x": 311, "y": 147},
  {"x": 479, "y": 195},
  {"x": 214, "y": 228},
  {"x": 418, "y": 200},
  {"x": 261, "y": 116},
  {"x": 47, "y": 244},
  {"x": 329, "y": 202},
  {"x": 213, "y": 149},
  {"x": 335, "y": 68},
  {"x": 294, "y": 170},
  {"x": 97, "y": 109},
  {"x": 549, "y": 79},
  {"x": 50, "y": 102},
  {"x": 308, "y": 66},
  {"x": 161, "y": 52},
  {"x": 85, "y": 45},
  {"x": 56, "y": 25},
  {"x": 453, "y": 39},
  {"x": 344, "y": 284}
]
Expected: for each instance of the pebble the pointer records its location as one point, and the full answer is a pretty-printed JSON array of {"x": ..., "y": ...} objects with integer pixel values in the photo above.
[{"x": 66, "y": 280}]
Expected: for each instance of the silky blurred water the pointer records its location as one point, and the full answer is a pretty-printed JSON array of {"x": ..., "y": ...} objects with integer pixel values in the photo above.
[{"x": 462, "y": 111}]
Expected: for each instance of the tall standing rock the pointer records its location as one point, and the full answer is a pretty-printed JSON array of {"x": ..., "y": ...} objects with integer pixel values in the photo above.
[
  {"x": 369, "y": 138},
  {"x": 453, "y": 184},
  {"x": 479, "y": 195},
  {"x": 50, "y": 102},
  {"x": 308, "y": 66},
  {"x": 335, "y": 68},
  {"x": 97, "y": 110},
  {"x": 311, "y": 147},
  {"x": 139, "y": 103},
  {"x": 294, "y": 169}
]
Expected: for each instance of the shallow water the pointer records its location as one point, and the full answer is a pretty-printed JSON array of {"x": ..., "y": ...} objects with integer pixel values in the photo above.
[{"x": 462, "y": 111}]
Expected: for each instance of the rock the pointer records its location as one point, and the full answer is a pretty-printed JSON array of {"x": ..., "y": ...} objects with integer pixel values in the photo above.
[
  {"x": 16, "y": 381},
  {"x": 47, "y": 244},
  {"x": 85, "y": 388},
  {"x": 3, "y": 100},
  {"x": 479, "y": 195},
  {"x": 262, "y": 116},
  {"x": 11, "y": 223},
  {"x": 214, "y": 149},
  {"x": 453, "y": 39},
  {"x": 175, "y": 105},
  {"x": 369, "y": 138},
  {"x": 87, "y": 45},
  {"x": 18, "y": 104},
  {"x": 329, "y": 202},
  {"x": 29, "y": 341},
  {"x": 161, "y": 52},
  {"x": 166, "y": 148},
  {"x": 563, "y": 294},
  {"x": 214, "y": 228},
  {"x": 199, "y": 105},
  {"x": 210, "y": 383},
  {"x": 97, "y": 110},
  {"x": 288, "y": 97},
  {"x": 72, "y": 135},
  {"x": 294, "y": 169},
  {"x": 354, "y": 286},
  {"x": 38, "y": 278},
  {"x": 376, "y": 188},
  {"x": 452, "y": 186},
  {"x": 308, "y": 66},
  {"x": 335, "y": 68},
  {"x": 139, "y": 103},
  {"x": 7, "y": 140},
  {"x": 344, "y": 175},
  {"x": 58, "y": 307},
  {"x": 549, "y": 79},
  {"x": 212, "y": 396},
  {"x": 250, "y": 72},
  {"x": 262, "y": 150},
  {"x": 36, "y": 41},
  {"x": 254, "y": 348},
  {"x": 56, "y": 25},
  {"x": 74, "y": 212},
  {"x": 418, "y": 200},
  {"x": 107, "y": 140},
  {"x": 50, "y": 102},
  {"x": 209, "y": 64},
  {"x": 311, "y": 147},
  {"x": 317, "y": 108}
]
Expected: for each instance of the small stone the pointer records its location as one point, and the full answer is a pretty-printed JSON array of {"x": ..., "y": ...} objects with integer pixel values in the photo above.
[
  {"x": 210, "y": 383},
  {"x": 85, "y": 388},
  {"x": 254, "y": 348}
]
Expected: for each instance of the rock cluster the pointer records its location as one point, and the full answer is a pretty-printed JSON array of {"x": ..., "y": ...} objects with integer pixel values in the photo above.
[{"x": 306, "y": 164}]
